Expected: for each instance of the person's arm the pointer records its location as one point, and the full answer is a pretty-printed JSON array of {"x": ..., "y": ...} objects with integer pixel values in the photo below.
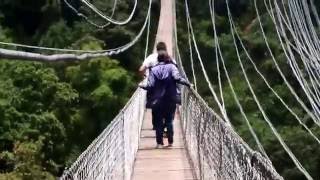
[
  {"x": 177, "y": 77},
  {"x": 149, "y": 83},
  {"x": 147, "y": 63},
  {"x": 142, "y": 70},
  {"x": 144, "y": 66}
]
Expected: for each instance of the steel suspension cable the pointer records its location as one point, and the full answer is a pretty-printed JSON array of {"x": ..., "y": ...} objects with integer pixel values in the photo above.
[
  {"x": 238, "y": 39},
  {"x": 266, "y": 82},
  {"x": 86, "y": 18},
  {"x": 222, "y": 110},
  {"x": 191, "y": 58},
  {"x": 218, "y": 52},
  {"x": 86, "y": 53},
  {"x": 315, "y": 117},
  {"x": 275, "y": 132},
  {"x": 315, "y": 12},
  {"x": 292, "y": 62},
  {"x": 98, "y": 12},
  {"x": 313, "y": 75}
]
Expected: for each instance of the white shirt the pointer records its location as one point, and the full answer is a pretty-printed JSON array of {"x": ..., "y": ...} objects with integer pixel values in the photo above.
[{"x": 152, "y": 60}]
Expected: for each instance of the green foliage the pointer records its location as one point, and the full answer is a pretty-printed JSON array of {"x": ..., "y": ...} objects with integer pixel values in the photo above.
[{"x": 49, "y": 113}]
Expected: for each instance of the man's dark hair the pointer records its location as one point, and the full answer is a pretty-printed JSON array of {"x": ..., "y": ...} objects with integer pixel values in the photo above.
[{"x": 161, "y": 46}]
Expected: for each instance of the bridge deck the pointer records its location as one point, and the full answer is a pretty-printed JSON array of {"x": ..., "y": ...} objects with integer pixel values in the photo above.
[{"x": 169, "y": 164}]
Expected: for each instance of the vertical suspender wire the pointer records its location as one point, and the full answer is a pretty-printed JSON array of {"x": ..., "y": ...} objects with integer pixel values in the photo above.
[
  {"x": 267, "y": 83},
  {"x": 148, "y": 36},
  {"x": 223, "y": 111},
  {"x": 315, "y": 12},
  {"x": 275, "y": 132},
  {"x": 307, "y": 23},
  {"x": 212, "y": 14},
  {"x": 308, "y": 13},
  {"x": 300, "y": 30},
  {"x": 315, "y": 54},
  {"x": 191, "y": 59},
  {"x": 312, "y": 78},
  {"x": 314, "y": 117},
  {"x": 178, "y": 55},
  {"x": 191, "y": 56},
  {"x": 218, "y": 52},
  {"x": 290, "y": 56},
  {"x": 291, "y": 30},
  {"x": 291, "y": 63},
  {"x": 114, "y": 8}
]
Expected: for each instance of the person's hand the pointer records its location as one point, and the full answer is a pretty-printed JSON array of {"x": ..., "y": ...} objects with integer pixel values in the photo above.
[
  {"x": 143, "y": 84},
  {"x": 191, "y": 86}
]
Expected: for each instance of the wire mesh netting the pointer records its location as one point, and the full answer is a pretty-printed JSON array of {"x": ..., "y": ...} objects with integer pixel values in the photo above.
[
  {"x": 216, "y": 151},
  {"x": 111, "y": 155}
]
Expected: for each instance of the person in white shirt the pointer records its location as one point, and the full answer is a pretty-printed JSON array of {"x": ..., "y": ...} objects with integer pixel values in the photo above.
[{"x": 152, "y": 59}]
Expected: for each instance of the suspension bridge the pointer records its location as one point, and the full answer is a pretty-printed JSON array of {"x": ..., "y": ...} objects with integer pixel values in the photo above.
[{"x": 206, "y": 146}]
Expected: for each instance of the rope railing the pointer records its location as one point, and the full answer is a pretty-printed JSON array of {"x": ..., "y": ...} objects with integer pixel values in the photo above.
[
  {"x": 215, "y": 149},
  {"x": 111, "y": 155}
]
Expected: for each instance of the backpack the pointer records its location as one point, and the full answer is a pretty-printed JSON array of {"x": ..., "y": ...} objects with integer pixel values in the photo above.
[{"x": 159, "y": 92}]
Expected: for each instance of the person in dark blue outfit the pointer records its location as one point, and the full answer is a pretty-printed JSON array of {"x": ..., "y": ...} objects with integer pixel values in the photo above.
[{"x": 162, "y": 86}]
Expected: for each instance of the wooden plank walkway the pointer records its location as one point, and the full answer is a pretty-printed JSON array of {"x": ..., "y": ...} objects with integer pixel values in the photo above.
[{"x": 158, "y": 164}]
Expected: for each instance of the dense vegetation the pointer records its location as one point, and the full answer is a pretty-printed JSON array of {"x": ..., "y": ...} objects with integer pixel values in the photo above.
[
  {"x": 50, "y": 112},
  {"x": 302, "y": 144}
]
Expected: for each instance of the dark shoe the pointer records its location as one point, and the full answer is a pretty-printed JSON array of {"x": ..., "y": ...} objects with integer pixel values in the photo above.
[
  {"x": 159, "y": 146},
  {"x": 169, "y": 145}
]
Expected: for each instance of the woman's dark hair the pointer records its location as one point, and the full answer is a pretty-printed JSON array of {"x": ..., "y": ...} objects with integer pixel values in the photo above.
[{"x": 163, "y": 56}]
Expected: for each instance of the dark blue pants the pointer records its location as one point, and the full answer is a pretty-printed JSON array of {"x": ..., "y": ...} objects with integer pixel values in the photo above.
[{"x": 163, "y": 116}]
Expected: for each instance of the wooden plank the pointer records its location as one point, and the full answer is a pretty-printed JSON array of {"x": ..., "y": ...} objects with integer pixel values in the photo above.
[{"x": 167, "y": 163}]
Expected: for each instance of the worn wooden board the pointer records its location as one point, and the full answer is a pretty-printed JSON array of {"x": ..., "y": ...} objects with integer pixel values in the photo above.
[{"x": 167, "y": 163}]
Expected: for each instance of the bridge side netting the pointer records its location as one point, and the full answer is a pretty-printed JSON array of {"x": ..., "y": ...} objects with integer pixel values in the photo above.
[
  {"x": 111, "y": 155},
  {"x": 215, "y": 149}
]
